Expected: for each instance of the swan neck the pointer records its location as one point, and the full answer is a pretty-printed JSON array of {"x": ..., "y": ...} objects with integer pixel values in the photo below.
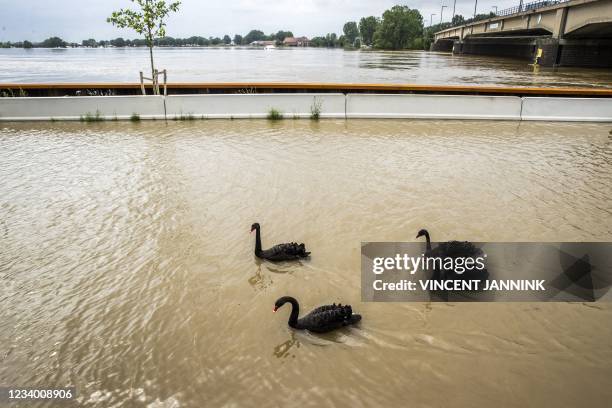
[
  {"x": 295, "y": 312},
  {"x": 428, "y": 241},
  {"x": 257, "y": 241}
]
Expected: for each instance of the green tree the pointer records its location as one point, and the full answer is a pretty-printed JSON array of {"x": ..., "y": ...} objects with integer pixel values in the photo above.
[
  {"x": 428, "y": 34},
  {"x": 89, "y": 43},
  {"x": 479, "y": 17},
  {"x": 281, "y": 35},
  {"x": 399, "y": 29},
  {"x": 196, "y": 41},
  {"x": 238, "y": 39},
  {"x": 350, "y": 31},
  {"x": 367, "y": 28},
  {"x": 331, "y": 40},
  {"x": 254, "y": 35},
  {"x": 147, "y": 21},
  {"x": 318, "y": 42},
  {"x": 53, "y": 42},
  {"x": 27, "y": 44},
  {"x": 458, "y": 19},
  {"x": 227, "y": 39},
  {"x": 164, "y": 42},
  {"x": 118, "y": 42}
]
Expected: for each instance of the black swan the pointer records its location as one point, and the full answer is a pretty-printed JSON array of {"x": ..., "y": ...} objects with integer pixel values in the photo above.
[
  {"x": 320, "y": 320},
  {"x": 280, "y": 252},
  {"x": 455, "y": 249}
]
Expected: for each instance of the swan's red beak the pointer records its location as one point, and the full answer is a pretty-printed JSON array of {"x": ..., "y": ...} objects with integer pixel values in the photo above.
[{"x": 275, "y": 309}]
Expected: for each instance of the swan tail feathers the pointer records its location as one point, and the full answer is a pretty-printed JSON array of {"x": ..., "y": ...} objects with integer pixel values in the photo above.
[{"x": 356, "y": 318}]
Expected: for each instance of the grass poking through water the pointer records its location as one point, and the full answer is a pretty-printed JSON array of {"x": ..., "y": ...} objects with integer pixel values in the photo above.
[
  {"x": 89, "y": 117},
  {"x": 274, "y": 114}
]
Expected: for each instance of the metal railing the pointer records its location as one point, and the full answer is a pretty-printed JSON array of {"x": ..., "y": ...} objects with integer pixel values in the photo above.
[{"x": 528, "y": 6}]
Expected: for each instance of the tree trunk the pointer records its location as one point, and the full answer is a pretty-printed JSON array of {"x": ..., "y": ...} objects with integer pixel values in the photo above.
[
  {"x": 152, "y": 65},
  {"x": 150, "y": 43},
  {"x": 152, "y": 69}
]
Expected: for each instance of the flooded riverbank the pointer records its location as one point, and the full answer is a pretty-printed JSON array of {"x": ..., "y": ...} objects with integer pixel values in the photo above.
[
  {"x": 128, "y": 272},
  {"x": 286, "y": 65}
]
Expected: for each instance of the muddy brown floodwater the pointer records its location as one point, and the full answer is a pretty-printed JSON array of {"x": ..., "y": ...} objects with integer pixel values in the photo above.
[
  {"x": 291, "y": 64},
  {"x": 127, "y": 267}
]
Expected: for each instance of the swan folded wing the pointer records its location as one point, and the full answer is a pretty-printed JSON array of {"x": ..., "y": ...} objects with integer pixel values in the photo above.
[
  {"x": 455, "y": 249},
  {"x": 459, "y": 249},
  {"x": 328, "y": 318},
  {"x": 330, "y": 314},
  {"x": 286, "y": 251},
  {"x": 324, "y": 308}
]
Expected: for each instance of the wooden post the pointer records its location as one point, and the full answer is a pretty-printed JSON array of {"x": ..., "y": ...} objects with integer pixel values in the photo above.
[{"x": 142, "y": 87}]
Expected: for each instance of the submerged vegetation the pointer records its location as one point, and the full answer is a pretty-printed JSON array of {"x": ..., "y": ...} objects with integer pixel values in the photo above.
[
  {"x": 315, "y": 108},
  {"x": 274, "y": 114},
  {"x": 135, "y": 117},
  {"x": 89, "y": 117}
]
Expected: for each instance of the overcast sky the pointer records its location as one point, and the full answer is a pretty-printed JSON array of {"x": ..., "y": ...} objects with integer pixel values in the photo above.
[{"x": 75, "y": 20}]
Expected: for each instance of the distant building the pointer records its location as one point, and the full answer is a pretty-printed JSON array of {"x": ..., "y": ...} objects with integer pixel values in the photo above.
[
  {"x": 303, "y": 42},
  {"x": 290, "y": 42},
  {"x": 296, "y": 42}
]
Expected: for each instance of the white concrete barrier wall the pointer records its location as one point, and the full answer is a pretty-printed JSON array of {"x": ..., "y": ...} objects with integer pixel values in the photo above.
[
  {"x": 76, "y": 107},
  {"x": 254, "y": 105},
  {"x": 567, "y": 109},
  {"x": 433, "y": 106},
  {"x": 300, "y": 105}
]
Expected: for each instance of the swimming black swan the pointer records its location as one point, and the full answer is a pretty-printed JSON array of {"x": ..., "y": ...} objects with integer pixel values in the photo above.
[
  {"x": 455, "y": 249},
  {"x": 280, "y": 252},
  {"x": 320, "y": 320}
]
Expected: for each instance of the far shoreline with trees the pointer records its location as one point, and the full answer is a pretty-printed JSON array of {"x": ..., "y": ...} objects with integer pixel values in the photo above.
[{"x": 399, "y": 28}]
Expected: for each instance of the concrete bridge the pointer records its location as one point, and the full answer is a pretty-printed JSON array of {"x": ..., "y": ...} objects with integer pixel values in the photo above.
[{"x": 556, "y": 32}]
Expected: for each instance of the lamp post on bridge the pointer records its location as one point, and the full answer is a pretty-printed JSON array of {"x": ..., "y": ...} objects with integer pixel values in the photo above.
[
  {"x": 454, "y": 4},
  {"x": 475, "y": 4},
  {"x": 431, "y": 19},
  {"x": 441, "y": 12}
]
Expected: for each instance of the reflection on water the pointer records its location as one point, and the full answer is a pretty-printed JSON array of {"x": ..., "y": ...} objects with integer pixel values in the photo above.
[
  {"x": 283, "y": 349},
  {"x": 260, "y": 281},
  {"x": 287, "y": 65},
  {"x": 127, "y": 269}
]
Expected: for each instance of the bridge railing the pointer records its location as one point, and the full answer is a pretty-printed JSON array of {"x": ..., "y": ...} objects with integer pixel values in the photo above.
[{"x": 528, "y": 6}]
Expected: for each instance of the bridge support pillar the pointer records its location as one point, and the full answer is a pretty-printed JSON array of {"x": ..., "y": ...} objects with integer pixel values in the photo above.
[
  {"x": 560, "y": 20},
  {"x": 458, "y": 47},
  {"x": 547, "y": 52},
  {"x": 442, "y": 45},
  {"x": 593, "y": 53}
]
